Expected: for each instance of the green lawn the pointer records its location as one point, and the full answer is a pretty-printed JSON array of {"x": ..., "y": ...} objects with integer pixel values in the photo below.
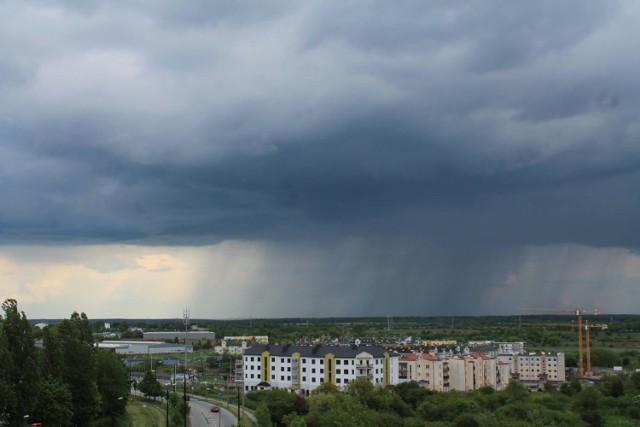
[{"x": 142, "y": 413}]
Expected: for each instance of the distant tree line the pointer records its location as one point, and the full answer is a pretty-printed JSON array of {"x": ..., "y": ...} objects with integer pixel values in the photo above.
[{"x": 67, "y": 381}]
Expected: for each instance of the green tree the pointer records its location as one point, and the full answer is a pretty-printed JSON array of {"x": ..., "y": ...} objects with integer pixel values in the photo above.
[
  {"x": 55, "y": 406},
  {"x": 80, "y": 367},
  {"x": 149, "y": 386},
  {"x": 447, "y": 406},
  {"x": 177, "y": 409},
  {"x": 52, "y": 356},
  {"x": 360, "y": 387},
  {"x": 112, "y": 382},
  {"x": 21, "y": 360},
  {"x": 411, "y": 393},
  {"x": 325, "y": 388},
  {"x": 587, "y": 403},
  {"x": 515, "y": 391},
  {"x": 7, "y": 393},
  {"x": 263, "y": 416},
  {"x": 337, "y": 410},
  {"x": 297, "y": 421},
  {"x": 605, "y": 358}
]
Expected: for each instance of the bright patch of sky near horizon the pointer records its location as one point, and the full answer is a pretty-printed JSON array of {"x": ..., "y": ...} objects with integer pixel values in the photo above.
[{"x": 240, "y": 279}]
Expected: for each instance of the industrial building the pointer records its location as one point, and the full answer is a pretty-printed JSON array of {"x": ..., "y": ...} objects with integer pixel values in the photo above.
[
  {"x": 179, "y": 335},
  {"x": 144, "y": 347}
]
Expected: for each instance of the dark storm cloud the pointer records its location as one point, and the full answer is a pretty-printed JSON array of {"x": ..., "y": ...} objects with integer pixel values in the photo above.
[{"x": 187, "y": 123}]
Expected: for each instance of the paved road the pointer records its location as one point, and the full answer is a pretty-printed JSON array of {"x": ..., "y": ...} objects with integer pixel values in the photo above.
[{"x": 201, "y": 415}]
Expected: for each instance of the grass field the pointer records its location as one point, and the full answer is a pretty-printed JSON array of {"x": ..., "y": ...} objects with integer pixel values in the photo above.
[{"x": 142, "y": 413}]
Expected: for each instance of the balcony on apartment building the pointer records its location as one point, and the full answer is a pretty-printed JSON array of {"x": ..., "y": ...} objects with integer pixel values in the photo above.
[{"x": 365, "y": 372}]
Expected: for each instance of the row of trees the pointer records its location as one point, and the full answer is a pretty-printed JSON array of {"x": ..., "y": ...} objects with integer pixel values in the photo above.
[
  {"x": 151, "y": 388},
  {"x": 614, "y": 402},
  {"x": 67, "y": 381}
]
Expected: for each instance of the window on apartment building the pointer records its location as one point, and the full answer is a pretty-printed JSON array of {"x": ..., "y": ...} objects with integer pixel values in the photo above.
[
  {"x": 288, "y": 378},
  {"x": 273, "y": 360},
  {"x": 338, "y": 371},
  {"x": 321, "y": 380},
  {"x": 346, "y": 380},
  {"x": 304, "y": 360},
  {"x": 338, "y": 380},
  {"x": 273, "y": 377},
  {"x": 288, "y": 368},
  {"x": 281, "y": 377},
  {"x": 337, "y": 361},
  {"x": 281, "y": 368},
  {"x": 282, "y": 360},
  {"x": 288, "y": 360},
  {"x": 322, "y": 371},
  {"x": 313, "y": 361},
  {"x": 304, "y": 379},
  {"x": 304, "y": 369},
  {"x": 322, "y": 361},
  {"x": 251, "y": 375},
  {"x": 313, "y": 379},
  {"x": 313, "y": 370}
]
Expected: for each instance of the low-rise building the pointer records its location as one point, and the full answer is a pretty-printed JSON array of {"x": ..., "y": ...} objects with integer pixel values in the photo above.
[
  {"x": 179, "y": 336},
  {"x": 258, "y": 339},
  {"x": 231, "y": 347},
  {"x": 512, "y": 347},
  {"x": 144, "y": 347}
]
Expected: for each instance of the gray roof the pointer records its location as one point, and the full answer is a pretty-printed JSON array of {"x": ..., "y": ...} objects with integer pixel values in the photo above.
[{"x": 319, "y": 350}]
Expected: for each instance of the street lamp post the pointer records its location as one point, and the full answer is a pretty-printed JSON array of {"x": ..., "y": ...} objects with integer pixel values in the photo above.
[
  {"x": 167, "y": 406},
  {"x": 229, "y": 381},
  {"x": 186, "y": 325}
]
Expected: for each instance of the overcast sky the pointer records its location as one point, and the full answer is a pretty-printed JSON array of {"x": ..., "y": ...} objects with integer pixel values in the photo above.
[{"x": 273, "y": 159}]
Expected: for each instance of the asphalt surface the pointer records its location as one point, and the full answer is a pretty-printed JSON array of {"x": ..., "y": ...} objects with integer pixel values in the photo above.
[{"x": 201, "y": 415}]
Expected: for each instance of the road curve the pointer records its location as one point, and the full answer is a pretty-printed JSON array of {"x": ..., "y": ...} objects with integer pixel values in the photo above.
[{"x": 201, "y": 415}]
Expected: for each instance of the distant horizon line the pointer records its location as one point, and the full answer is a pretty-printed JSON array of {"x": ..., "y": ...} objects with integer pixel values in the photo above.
[{"x": 235, "y": 319}]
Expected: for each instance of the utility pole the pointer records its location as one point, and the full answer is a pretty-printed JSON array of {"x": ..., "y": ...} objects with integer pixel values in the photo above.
[
  {"x": 186, "y": 328},
  {"x": 237, "y": 388},
  {"x": 588, "y": 348},
  {"x": 167, "y": 406}
]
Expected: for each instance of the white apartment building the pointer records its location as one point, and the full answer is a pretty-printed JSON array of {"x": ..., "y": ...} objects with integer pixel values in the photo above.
[
  {"x": 539, "y": 367},
  {"x": 303, "y": 368}
]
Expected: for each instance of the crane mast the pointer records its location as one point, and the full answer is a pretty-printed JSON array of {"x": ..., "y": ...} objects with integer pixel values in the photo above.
[{"x": 578, "y": 312}]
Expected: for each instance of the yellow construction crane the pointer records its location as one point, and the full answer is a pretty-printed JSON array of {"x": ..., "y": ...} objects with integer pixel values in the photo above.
[{"x": 579, "y": 311}]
